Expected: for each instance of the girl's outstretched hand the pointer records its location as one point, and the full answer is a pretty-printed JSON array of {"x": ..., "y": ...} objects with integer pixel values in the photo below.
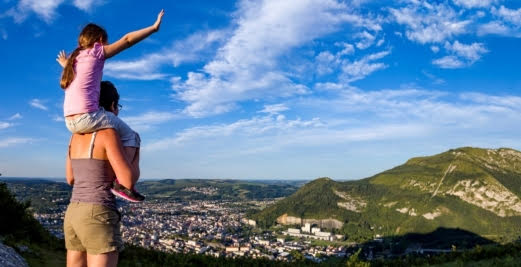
[
  {"x": 158, "y": 21},
  {"x": 62, "y": 58}
]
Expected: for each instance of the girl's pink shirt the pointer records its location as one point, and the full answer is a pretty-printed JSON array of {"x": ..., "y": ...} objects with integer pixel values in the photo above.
[{"x": 82, "y": 95}]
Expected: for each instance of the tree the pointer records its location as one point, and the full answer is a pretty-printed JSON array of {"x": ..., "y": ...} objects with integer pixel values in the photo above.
[{"x": 355, "y": 261}]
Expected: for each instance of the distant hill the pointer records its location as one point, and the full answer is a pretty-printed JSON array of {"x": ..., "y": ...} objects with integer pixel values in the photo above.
[
  {"x": 48, "y": 195},
  {"x": 216, "y": 189},
  {"x": 474, "y": 189}
]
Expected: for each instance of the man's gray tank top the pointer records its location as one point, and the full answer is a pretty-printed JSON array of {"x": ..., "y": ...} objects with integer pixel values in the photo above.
[{"x": 92, "y": 179}]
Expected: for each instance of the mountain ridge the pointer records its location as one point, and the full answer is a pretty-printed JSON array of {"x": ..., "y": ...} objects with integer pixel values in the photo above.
[{"x": 469, "y": 188}]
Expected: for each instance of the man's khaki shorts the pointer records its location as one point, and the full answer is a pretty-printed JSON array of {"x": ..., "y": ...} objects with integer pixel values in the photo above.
[{"x": 93, "y": 228}]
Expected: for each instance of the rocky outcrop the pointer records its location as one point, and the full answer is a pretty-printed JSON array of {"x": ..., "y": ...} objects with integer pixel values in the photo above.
[
  {"x": 329, "y": 223},
  {"x": 352, "y": 203}
]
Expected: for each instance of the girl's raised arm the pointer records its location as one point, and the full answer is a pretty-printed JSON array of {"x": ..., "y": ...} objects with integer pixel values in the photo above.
[{"x": 132, "y": 38}]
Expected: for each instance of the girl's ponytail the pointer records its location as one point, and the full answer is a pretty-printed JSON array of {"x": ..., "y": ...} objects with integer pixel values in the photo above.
[
  {"x": 90, "y": 34},
  {"x": 68, "y": 72}
]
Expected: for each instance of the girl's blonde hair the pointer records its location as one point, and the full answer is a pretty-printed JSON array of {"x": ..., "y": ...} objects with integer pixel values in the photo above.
[{"x": 90, "y": 34}]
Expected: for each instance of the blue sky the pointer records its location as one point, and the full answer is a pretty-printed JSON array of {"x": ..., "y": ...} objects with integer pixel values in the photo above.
[{"x": 271, "y": 89}]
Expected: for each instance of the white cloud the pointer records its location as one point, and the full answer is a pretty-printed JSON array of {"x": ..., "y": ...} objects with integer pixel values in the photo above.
[
  {"x": 3, "y": 33},
  {"x": 86, "y": 5},
  {"x": 15, "y": 116},
  {"x": 37, "y": 103},
  {"x": 5, "y": 125},
  {"x": 472, "y": 52},
  {"x": 354, "y": 117},
  {"x": 380, "y": 42},
  {"x": 45, "y": 9},
  {"x": 475, "y": 3},
  {"x": 274, "y": 109},
  {"x": 150, "y": 119},
  {"x": 347, "y": 49},
  {"x": 463, "y": 55},
  {"x": 326, "y": 62},
  {"x": 449, "y": 62},
  {"x": 494, "y": 27},
  {"x": 247, "y": 66},
  {"x": 352, "y": 71},
  {"x": 435, "y": 49},
  {"x": 443, "y": 111},
  {"x": 245, "y": 128},
  {"x": 7, "y": 142},
  {"x": 433, "y": 78},
  {"x": 366, "y": 41},
  {"x": 192, "y": 49},
  {"x": 58, "y": 118},
  {"x": 510, "y": 102},
  {"x": 426, "y": 23},
  {"x": 508, "y": 15}
]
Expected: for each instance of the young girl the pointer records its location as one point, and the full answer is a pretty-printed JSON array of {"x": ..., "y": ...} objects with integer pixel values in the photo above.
[{"x": 81, "y": 79}]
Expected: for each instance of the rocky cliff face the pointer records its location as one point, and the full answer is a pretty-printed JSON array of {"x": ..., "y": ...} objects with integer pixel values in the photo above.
[{"x": 329, "y": 223}]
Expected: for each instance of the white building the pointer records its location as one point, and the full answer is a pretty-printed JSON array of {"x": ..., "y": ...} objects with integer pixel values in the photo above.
[
  {"x": 306, "y": 228},
  {"x": 293, "y": 231}
]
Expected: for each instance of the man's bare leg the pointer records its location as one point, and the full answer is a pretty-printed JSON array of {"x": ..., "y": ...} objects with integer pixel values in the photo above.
[
  {"x": 76, "y": 258},
  {"x": 109, "y": 259}
]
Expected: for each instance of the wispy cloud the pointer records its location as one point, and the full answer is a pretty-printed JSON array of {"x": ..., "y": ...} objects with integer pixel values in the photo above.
[
  {"x": 366, "y": 40},
  {"x": 37, "y": 103},
  {"x": 476, "y": 3},
  {"x": 429, "y": 23},
  {"x": 3, "y": 34},
  {"x": 150, "y": 119},
  {"x": 254, "y": 127},
  {"x": 11, "y": 141},
  {"x": 194, "y": 48},
  {"x": 274, "y": 109},
  {"x": 58, "y": 118},
  {"x": 353, "y": 71},
  {"x": 509, "y": 15},
  {"x": 87, "y": 5},
  {"x": 494, "y": 27},
  {"x": 388, "y": 115},
  {"x": 247, "y": 66},
  {"x": 472, "y": 52},
  {"x": 507, "y": 23},
  {"x": 16, "y": 116},
  {"x": 5, "y": 125},
  {"x": 45, "y": 9},
  {"x": 463, "y": 55}
]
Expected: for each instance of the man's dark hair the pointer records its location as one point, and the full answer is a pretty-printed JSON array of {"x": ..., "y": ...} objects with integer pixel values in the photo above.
[{"x": 108, "y": 95}]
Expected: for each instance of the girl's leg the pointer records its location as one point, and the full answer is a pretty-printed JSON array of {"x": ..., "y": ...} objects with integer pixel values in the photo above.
[
  {"x": 76, "y": 258},
  {"x": 109, "y": 259}
]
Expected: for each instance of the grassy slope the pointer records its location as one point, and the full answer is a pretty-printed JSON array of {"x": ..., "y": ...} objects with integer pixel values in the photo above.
[{"x": 317, "y": 199}]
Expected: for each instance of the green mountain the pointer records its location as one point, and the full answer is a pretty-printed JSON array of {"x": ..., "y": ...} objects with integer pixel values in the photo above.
[{"x": 473, "y": 189}]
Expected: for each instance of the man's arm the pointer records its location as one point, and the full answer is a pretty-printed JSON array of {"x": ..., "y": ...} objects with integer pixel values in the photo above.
[
  {"x": 132, "y": 155},
  {"x": 117, "y": 159},
  {"x": 68, "y": 171}
]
